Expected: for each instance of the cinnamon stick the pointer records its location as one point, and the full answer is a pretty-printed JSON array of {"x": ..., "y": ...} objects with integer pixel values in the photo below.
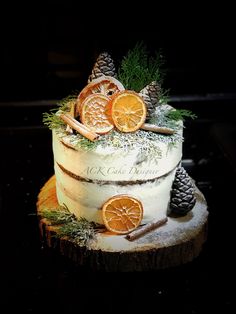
[
  {"x": 146, "y": 228},
  {"x": 79, "y": 127},
  {"x": 72, "y": 114},
  {"x": 157, "y": 129}
]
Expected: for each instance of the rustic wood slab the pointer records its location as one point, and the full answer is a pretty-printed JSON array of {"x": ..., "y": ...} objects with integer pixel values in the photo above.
[{"x": 177, "y": 242}]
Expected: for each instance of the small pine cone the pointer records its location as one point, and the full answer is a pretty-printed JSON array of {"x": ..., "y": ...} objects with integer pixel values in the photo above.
[
  {"x": 103, "y": 66},
  {"x": 182, "y": 193},
  {"x": 150, "y": 95}
]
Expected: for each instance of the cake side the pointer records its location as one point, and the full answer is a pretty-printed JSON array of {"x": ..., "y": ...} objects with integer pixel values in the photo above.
[
  {"x": 86, "y": 179},
  {"x": 109, "y": 163}
]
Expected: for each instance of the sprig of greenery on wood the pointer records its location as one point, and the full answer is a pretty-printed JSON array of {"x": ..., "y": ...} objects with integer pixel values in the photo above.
[
  {"x": 58, "y": 216},
  {"x": 51, "y": 118},
  {"x": 79, "y": 230},
  {"x": 137, "y": 69}
]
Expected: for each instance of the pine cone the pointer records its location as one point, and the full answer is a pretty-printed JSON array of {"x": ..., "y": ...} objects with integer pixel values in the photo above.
[
  {"x": 182, "y": 193},
  {"x": 150, "y": 95},
  {"x": 103, "y": 66}
]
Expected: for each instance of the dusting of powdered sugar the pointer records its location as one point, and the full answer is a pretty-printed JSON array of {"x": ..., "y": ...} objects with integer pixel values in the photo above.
[{"x": 174, "y": 232}]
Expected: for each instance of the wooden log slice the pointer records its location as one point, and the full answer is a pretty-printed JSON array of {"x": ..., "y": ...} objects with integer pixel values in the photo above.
[{"x": 177, "y": 242}]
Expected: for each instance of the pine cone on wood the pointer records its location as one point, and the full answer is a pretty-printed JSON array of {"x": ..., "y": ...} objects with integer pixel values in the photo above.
[
  {"x": 103, "y": 66},
  {"x": 182, "y": 193},
  {"x": 150, "y": 95}
]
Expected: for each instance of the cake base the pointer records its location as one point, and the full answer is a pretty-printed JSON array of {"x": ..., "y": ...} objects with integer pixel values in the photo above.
[{"x": 177, "y": 242}]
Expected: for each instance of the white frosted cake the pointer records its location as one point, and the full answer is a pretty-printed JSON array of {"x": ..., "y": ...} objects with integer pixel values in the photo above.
[
  {"x": 85, "y": 179},
  {"x": 117, "y": 152}
]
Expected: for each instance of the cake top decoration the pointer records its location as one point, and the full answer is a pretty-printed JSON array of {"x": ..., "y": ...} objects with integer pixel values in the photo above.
[{"x": 120, "y": 109}]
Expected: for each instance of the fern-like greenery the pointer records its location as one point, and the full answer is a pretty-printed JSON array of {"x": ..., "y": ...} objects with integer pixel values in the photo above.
[
  {"x": 169, "y": 118},
  {"x": 64, "y": 104},
  {"x": 79, "y": 230},
  {"x": 59, "y": 216},
  {"x": 86, "y": 144},
  {"x": 51, "y": 119},
  {"x": 180, "y": 114},
  {"x": 137, "y": 69}
]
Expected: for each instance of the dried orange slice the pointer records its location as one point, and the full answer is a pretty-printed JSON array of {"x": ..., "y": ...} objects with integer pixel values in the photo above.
[
  {"x": 94, "y": 113},
  {"x": 122, "y": 214},
  {"x": 106, "y": 85},
  {"x": 128, "y": 111}
]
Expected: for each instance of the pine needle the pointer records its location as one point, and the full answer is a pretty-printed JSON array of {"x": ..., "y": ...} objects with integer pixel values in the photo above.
[
  {"x": 79, "y": 230},
  {"x": 180, "y": 114},
  {"x": 51, "y": 119},
  {"x": 137, "y": 69},
  {"x": 57, "y": 217}
]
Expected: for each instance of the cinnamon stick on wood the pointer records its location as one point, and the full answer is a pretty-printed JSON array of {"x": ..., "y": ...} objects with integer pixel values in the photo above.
[
  {"x": 146, "y": 228},
  {"x": 79, "y": 127},
  {"x": 157, "y": 129}
]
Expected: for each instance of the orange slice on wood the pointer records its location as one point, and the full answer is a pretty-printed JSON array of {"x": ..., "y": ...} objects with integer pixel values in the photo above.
[
  {"x": 106, "y": 85},
  {"x": 122, "y": 214},
  {"x": 95, "y": 113},
  {"x": 128, "y": 111}
]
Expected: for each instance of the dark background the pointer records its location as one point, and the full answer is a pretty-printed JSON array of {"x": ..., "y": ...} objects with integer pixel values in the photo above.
[
  {"x": 45, "y": 57},
  {"x": 49, "y": 55}
]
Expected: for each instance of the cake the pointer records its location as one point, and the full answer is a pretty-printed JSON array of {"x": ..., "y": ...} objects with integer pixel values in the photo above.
[
  {"x": 111, "y": 143},
  {"x": 120, "y": 199},
  {"x": 85, "y": 179}
]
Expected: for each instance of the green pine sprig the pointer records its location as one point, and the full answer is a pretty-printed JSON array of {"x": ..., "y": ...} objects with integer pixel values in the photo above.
[
  {"x": 65, "y": 103},
  {"x": 51, "y": 119},
  {"x": 170, "y": 118},
  {"x": 79, "y": 230},
  {"x": 86, "y": 144},
  {"x": 180, "y": 114},
  {"x": 164, "y": 96},
  {"x": 137, "y": 69},
  {"x": 58, "y": 216}
]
